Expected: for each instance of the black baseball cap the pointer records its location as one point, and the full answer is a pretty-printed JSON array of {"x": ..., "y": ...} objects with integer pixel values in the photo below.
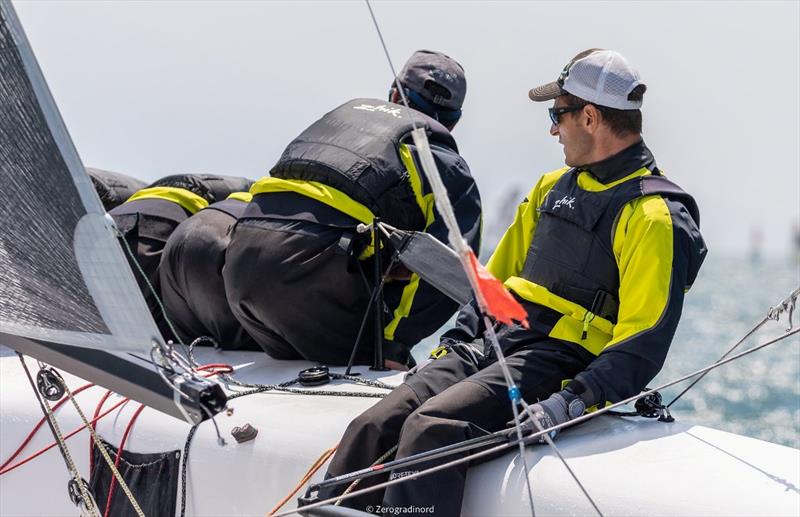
[{"x": 436, "y": 77}]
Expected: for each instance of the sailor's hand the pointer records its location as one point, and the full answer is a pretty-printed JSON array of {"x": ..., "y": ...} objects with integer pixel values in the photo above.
[
  {"x": 394, "y": 365},
  {"x": 399, "y": 273},
  {"x": 559, "y": 408}
]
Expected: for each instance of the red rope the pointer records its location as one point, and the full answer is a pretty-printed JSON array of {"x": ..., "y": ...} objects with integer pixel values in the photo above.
[
  {"x": 4, "y": 468},
  {"x": 97, "y": 410},
  {"x": 66, "y": 437},
  {"x": 113, "y": 483},
  {"x": 37, "y": 426}
]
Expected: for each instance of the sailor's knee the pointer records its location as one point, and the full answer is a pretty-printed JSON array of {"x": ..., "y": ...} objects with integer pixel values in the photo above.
[
  {"x": 417, "y": 425},
  {"x": 366, "y": 426}
]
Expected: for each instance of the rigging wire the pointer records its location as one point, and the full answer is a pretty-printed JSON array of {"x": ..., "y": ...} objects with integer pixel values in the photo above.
[
  {"x": 515, "y": 396},
  {"x": 530, "y": 438},
  {"x": 391, "y": 66},
  {"x": 355, "y": 483},
  {"x": 774, "y": 313},
  {"x": 549, "y": 441}
]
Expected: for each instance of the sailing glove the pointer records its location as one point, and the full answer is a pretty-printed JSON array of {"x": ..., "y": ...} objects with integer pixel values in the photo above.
[{"x": 558, "y": 408}]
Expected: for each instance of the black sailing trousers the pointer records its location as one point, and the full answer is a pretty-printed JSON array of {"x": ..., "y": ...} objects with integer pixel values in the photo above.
[
  {"x": 454, "y": 398},
  {"x": 289, "y": 285}
]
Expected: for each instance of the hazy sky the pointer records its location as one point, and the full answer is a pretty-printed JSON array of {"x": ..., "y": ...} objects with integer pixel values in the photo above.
[{"x": 151, "y": 89}]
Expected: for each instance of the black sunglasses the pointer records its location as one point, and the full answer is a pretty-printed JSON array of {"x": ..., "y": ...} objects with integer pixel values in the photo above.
[{"x": 555, "y": 113}]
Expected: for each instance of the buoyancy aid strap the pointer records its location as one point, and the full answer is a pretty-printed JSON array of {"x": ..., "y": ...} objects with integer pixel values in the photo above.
[
  {"x": 241, "y": 196},
  {"x": 324, "y": 194},
  {"x": 315, "y": 190},
  {"x": 186, "y": 199},
  {"x": 575, "y": 321}
]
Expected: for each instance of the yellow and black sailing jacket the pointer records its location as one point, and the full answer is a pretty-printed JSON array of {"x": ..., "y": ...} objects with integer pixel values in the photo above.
[
  {"x": 359, "y": 160},
  {"x": 602, "y": 260},
  {"x": 148, "y": 218}
]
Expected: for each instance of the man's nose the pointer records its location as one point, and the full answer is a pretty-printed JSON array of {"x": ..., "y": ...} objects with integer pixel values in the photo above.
[{"x": 553, "y": 129}]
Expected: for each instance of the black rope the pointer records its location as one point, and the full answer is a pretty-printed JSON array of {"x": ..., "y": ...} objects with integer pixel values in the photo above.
[{"x": 184, "y": 465}]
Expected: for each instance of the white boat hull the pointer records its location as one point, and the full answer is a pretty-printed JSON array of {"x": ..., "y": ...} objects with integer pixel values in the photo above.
[{"x": 629, "y": 466}]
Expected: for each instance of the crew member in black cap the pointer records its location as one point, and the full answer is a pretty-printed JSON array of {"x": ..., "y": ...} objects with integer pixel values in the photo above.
[
  {"x": 148, "y": 218},
  {"x": 600, "y": 255},
  {"x": 297, "y": 274}
]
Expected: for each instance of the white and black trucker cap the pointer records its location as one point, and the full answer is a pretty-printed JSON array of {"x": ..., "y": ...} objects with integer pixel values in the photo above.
[{"x": 602, "y": 77}]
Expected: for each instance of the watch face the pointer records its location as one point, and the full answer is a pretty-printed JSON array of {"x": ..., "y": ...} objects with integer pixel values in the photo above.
[{"x": 576, "y": 407}]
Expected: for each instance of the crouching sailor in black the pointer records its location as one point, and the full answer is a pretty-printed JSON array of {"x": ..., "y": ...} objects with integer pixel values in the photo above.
[
  {"x": 148, "y": 218},
  {"x": 192, "y": 287},
  {"x": 298, "y": 275},
  {"x": 600, "y": 254},
  {"x": 114, "y": 188}
]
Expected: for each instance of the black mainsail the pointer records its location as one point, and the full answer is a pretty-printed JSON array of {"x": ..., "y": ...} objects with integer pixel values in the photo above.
[{"x": 67, "y": 295}]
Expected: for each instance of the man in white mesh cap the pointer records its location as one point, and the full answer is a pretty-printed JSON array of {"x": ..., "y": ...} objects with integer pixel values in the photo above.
[{"x": 600, "y": 254}]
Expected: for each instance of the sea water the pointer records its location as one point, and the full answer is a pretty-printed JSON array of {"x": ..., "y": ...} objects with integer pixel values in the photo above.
[{"x": 757, "y": 395}]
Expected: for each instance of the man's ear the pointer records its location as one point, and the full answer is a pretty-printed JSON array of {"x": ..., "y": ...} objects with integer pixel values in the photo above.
[
  {"x": 592, "y": 118},
  {"x": 394, "y": 96}
]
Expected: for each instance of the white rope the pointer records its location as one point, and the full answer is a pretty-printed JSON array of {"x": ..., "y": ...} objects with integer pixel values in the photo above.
[
  {"x": 88, "y": 502},
  {"x": 104, "y": 452}
]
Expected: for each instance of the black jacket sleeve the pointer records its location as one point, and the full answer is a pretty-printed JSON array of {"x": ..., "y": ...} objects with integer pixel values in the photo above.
[
  {"x": 417, "y": 308},
  {"x": 624, "y": 369}
]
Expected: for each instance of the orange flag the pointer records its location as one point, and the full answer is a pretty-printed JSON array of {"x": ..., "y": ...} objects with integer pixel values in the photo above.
[{"x": 495, "y": 297}]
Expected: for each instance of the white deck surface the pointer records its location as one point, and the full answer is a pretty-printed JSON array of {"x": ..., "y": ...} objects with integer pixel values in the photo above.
[{"x": 631, "y": 467}]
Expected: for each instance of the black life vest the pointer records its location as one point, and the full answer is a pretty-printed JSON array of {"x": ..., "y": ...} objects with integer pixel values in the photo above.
[
  {"x": 232, "y": 207},
  {"x": 354, "y": 149},
  {"x": 112, "y": 187},
  {"x": 210, "y": 187},
  {"x": 572, "y": 249}
]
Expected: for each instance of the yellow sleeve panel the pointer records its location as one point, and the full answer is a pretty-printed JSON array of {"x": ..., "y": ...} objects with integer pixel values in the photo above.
[
  {"x": 427, "y": 205},
  {"x": 185, "y": 198},
  {"x": 425, "y": 202},
  {"x": 241, "y": 196},
  {"x": 643, "y": 247},
  {"x": 509, "y": 256}
]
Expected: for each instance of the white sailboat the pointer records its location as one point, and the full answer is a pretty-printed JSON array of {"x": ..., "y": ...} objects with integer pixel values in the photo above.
[{"x": 70, "y": 301}]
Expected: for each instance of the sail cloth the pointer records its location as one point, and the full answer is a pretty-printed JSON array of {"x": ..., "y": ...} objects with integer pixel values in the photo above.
[
  {"x": 67, "y": 294},
  {"x": 433, "y": 261},
  {"x": 62, "y": 273}
]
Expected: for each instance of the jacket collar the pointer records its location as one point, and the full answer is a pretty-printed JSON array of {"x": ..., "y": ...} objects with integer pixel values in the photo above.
[{"x": 621, "y": 164}]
